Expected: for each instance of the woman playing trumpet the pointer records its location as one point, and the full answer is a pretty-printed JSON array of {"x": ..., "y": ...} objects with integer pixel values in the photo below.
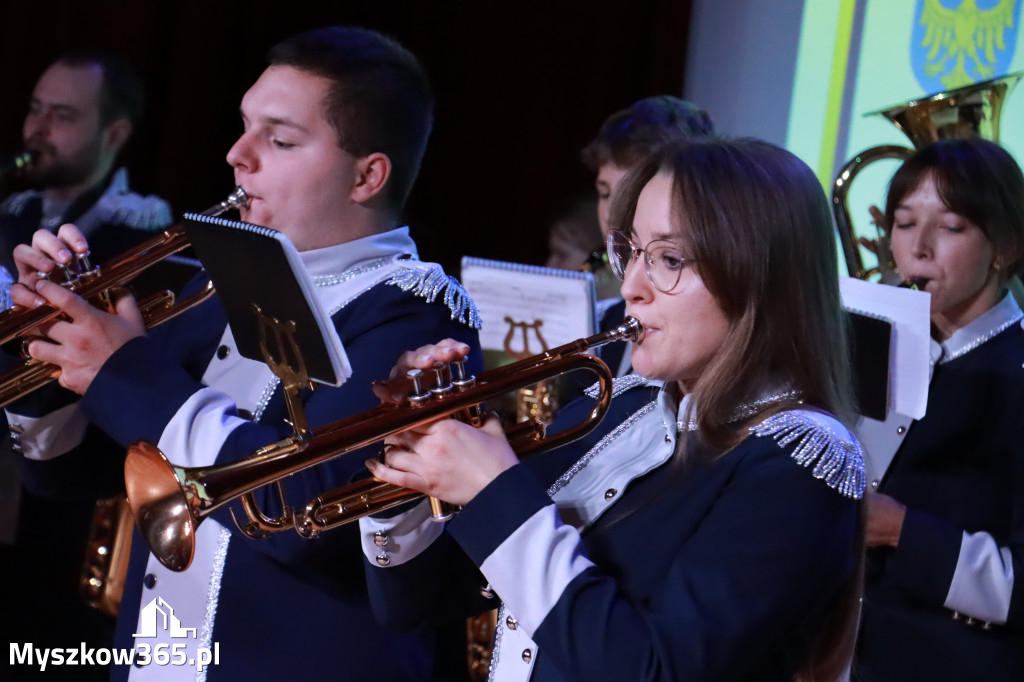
[
  {"x": 945, "y": 521},
  {"x": 709, "y": 529}
]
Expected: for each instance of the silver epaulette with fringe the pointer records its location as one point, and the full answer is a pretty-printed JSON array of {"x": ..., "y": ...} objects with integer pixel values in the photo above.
[
  {"x": 428, "y": 280},
  {"x": 148, "y": 213},
  {"x": 836, "y": 459},
  {"x": 619, "y": 385}
]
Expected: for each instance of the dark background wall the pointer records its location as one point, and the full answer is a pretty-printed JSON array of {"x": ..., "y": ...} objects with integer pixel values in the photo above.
[{"x": 521, "y": 88}]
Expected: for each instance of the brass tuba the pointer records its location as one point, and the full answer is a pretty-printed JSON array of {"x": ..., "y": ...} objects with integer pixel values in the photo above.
[
  {"x": 970, "y": 111},
  {"x": 170, "y": 502}
]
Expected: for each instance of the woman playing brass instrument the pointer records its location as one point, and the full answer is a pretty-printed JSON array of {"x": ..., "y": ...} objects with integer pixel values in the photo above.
[
  {"x": 945, "y": 521},
  {"x": 709, "y": 528}
]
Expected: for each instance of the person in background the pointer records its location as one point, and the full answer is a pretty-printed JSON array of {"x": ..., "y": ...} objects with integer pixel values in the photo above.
[
  {"x": 709, "y": 528},
  {"x": 626, "y": 137},
  {"x": 83, "y": 110},
  {"x": 945, "y": 515},
  {"x": 575, "y": 243},
  {"x": 574, "y": 235}
]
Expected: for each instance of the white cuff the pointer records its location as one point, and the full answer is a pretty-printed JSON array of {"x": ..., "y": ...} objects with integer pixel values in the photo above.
[
  {"x": 49, "y": 436},
  {"x": 983, "y": 580},
  {"x": 398, "y": 539}
]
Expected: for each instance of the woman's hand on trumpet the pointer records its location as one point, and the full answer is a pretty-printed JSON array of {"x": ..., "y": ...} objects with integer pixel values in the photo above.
[
  {"x": 447, "y": 459},
  {"x": 397, "y": 386},
  {"x": 82, "y": 341}
]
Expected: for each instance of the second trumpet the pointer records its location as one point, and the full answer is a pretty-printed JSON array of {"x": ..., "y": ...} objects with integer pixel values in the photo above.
[
  {"x": 94, "y": 284},
  {"x": 170, "y": 502}
]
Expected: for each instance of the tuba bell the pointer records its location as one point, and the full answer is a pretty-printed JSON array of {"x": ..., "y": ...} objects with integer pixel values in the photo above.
[{"x": 970, "y": 111}]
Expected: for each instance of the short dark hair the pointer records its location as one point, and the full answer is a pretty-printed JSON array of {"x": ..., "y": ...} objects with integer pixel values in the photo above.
[
  {"x": 976, "y": 179},
  {"x": 380, "y": 100},
  {"x": 123, "y": 94},
  {"x": 629, "y": 135},
  {"x": 755, "y": 221}
]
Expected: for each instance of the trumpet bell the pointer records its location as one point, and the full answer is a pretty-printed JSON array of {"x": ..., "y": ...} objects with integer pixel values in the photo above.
[{"x": 161, "y": 506}]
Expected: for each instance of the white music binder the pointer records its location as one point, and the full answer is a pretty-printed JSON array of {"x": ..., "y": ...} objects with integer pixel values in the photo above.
[
  {"x": 520, "y": 302},
  {"x": 909, "y": 360}
]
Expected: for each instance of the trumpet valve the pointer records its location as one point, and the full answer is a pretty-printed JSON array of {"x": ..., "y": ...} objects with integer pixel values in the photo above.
[
  {"x": 459, "y": 379},
  {"x": 70, "y": 273},
  {"x": 418, "y": 396},
  {"x": 442, "y": 380},
  {"x": 441, "y": 511},
  {"x": 82, "y": 259}
]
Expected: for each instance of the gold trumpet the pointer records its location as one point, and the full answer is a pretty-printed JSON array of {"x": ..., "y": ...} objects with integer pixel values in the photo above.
[
  {"x": 970, "y": 111},
  {"x": 170, "y": 502},
  {"x": 94, "y": 285}
]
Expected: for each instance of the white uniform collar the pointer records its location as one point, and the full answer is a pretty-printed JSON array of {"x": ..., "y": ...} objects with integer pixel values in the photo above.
[
  {"x": 996, "y": 319},
  {"x": 331, "y": 260},
  {"x": 686, "y": 418}
]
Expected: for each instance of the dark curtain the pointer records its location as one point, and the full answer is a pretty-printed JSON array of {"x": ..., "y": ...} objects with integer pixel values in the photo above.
[{"x": 521, "y": 87}]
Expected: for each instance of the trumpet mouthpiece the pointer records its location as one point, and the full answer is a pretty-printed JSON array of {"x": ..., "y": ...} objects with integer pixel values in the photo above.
[
  {"x": 632, "y": 329},
  {"x": 237, "y": 199},
  {"x": 915, "y": 283}
]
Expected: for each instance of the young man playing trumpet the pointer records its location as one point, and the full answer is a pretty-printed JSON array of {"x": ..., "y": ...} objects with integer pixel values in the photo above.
[{"x": 334, "y": 131}]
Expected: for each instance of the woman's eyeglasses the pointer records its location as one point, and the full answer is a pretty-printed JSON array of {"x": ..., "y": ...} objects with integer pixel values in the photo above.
[{"x": 663, "y": 261}]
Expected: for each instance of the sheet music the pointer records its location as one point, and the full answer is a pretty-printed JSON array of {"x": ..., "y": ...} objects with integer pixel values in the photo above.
[
  {"x": 230, "y": 252},
  {"x": 562, "y": 301},
  {"x": 909, "y": 313}
]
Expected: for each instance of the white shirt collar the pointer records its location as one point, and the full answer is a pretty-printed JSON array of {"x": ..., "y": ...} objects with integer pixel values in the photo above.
[
  {"x": 686, "y": 411},
  {"x": 979, "y": 330},
  {"x": 334, "y": 259}
]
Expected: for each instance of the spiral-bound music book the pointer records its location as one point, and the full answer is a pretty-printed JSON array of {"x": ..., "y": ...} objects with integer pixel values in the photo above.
[
  {"x": 254, "y": 265},
  {"x": 522, "y": 306}
]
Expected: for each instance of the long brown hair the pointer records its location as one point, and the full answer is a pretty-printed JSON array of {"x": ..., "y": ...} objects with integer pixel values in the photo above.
[{"x": 756, "y": 223}]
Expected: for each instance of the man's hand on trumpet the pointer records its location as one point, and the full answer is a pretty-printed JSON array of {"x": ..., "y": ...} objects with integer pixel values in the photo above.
[
  {"x": 86, "y": 337},
  {"x": 447, "y": 459},
  {"x": 38, "y": 260}
]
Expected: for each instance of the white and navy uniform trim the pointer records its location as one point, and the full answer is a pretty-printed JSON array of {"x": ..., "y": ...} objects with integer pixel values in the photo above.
[
  {"x": 947, "y": 603},
  {"x": 612, "y": 564},
  {"x": 186, "y": 388}
]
